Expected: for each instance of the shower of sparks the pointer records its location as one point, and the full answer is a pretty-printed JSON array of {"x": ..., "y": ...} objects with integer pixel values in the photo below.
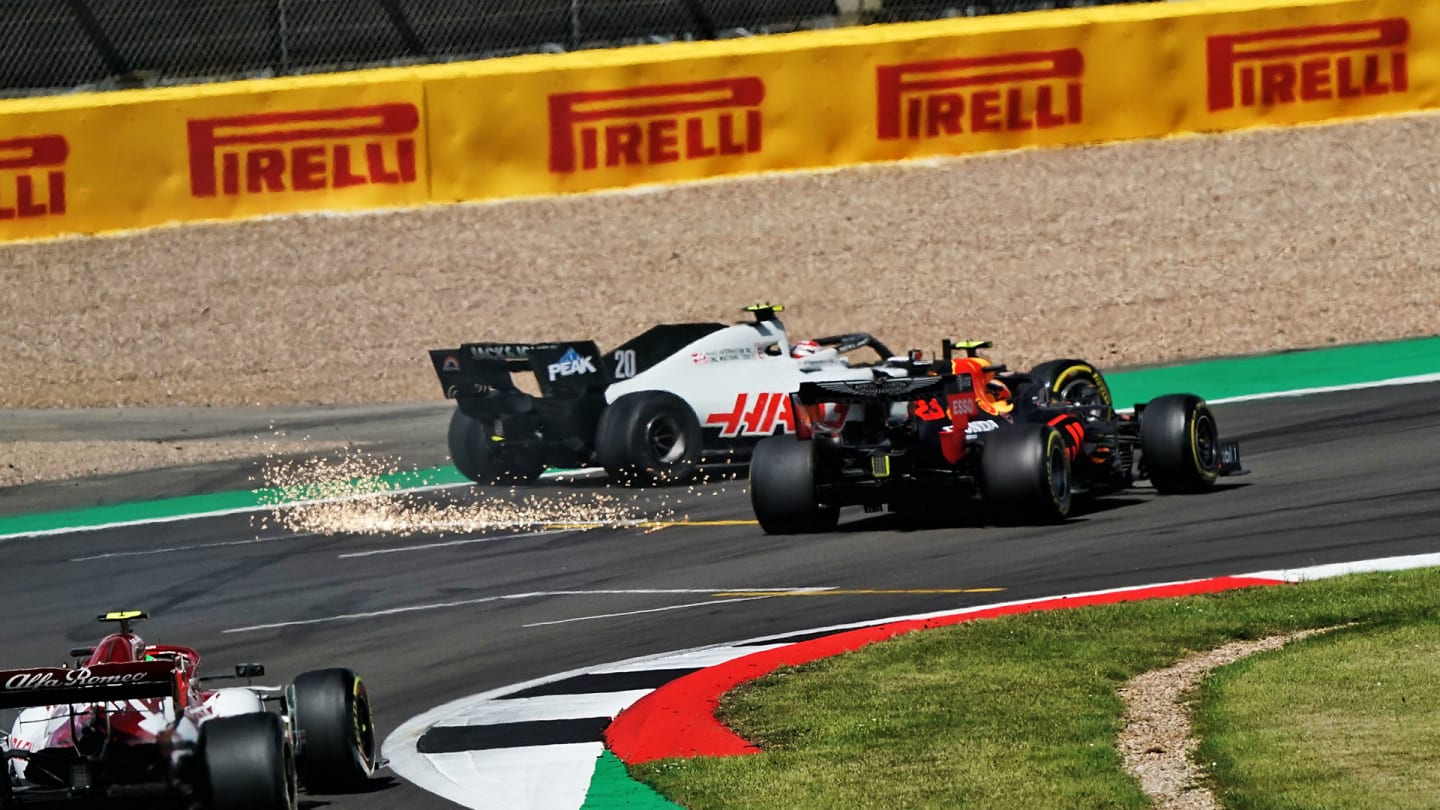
[{"x": 353, "y": 492}]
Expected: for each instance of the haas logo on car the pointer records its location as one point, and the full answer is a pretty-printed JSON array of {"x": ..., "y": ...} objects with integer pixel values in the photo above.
[
  {"x": 757, "y": 417},
  {"x": 571, "y": 363}
]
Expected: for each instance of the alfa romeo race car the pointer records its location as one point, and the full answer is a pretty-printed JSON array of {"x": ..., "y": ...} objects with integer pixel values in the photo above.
[
  {"x": 922, "y": 433},
  {"x": 135, "y": 724},
  {"x": 650, "y": 410}
]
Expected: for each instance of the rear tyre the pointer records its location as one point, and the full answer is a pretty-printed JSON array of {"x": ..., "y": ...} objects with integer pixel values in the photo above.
[
  {"x": 782, "y": 488},
  {"x": 7, "y": 794},
  {"x": 332, "y": 710},
  {"x": 1179, "y": 444},
  {"x": 1025, "y": 473},
  {"x": 649, "y": 437},
  {"x": 485, "y": 461},
  {"x": 248, "y": 763},
  {"x": 1075, "y": 381}
]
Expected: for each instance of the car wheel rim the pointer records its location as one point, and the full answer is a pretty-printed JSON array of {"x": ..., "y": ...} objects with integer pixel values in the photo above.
[
  {"x": 1207, "y": 442},
  {"x": 1059, "y": 477},
  {"x": 665, "y": 439},
  {"x": 1080, "y": 392}
]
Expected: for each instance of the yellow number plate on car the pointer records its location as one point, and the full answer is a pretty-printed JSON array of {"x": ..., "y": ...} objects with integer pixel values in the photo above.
[{"x": 880, "y": 466}]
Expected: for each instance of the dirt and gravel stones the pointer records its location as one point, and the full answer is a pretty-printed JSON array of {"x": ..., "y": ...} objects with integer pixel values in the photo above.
[
  {"x": 1155, "y": 743},
  {"x": 1121, "y": 254}
]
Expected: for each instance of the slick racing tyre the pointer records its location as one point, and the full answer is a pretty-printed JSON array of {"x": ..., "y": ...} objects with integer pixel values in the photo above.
[
  {"x": 782, "y": 488},
  {"x": 648, "y": 437},
  {"x": 332, "y": 711},
  {"x": 1179, "y": 444},
  {"x": 1073, "y": 381},
  {"x": 481, "y": 459},
  {"x": 248, "y": 763},
  {"x": 1025, "y": 474}
]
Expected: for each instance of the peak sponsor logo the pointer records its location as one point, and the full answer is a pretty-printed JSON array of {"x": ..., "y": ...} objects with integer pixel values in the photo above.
[
  {"x": 307, "y": 150},
  {"x": 655, "y": 124},
  {"x": 1011, "y": 92},
  {"x": 32, "y": 176},
  {"x": 570, "y": 364},
  {"x": 1311, "y": 63}
]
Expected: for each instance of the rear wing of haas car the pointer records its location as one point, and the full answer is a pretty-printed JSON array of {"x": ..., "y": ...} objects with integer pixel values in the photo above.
[
  {"x": 567, "y": 367},
  {"x": 101, "y": 683}
]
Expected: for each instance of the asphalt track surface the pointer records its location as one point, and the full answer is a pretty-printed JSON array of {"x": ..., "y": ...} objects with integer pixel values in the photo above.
[{"x": 1337, "y": 477}]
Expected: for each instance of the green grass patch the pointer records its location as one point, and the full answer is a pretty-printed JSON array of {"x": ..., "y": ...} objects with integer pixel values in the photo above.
[
  {"x": 1023, "y": 711},
  {"x": 1352, "y": 720}
]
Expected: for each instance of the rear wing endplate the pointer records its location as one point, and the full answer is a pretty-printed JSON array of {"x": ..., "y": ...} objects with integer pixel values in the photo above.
[{"x": 101, "y": 683}]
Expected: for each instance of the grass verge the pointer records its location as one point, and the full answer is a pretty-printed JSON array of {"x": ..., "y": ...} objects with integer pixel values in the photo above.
[{"x": 1022, "y": 711}]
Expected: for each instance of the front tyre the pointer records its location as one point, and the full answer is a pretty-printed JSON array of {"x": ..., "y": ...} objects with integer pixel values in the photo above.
[
  {"x": 1073, "y": 381},
  {"x": 332, "y": 711},
  {"x": 1180, "y": 444},
  {"x": 782, "y": 488},
  {"x": 649, "y": 437},
  {"x": 248, "y": 763},
  {"x": 485, "y": 461},
  {"x": 1025, "y": 473}
]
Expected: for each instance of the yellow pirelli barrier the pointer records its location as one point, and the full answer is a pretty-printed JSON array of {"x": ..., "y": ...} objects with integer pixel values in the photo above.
[
  {"x": 540, "y": 125},
  {"x": 102, "y": 162}
]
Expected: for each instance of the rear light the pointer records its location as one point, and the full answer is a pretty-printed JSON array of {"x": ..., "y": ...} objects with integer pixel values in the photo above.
[
  {"x": 824, "y": 418},
  {"x": 952, "y": 443},
  {"x": 804, "y": 418}
]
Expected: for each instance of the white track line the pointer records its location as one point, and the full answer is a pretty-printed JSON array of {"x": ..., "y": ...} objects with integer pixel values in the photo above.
[
  {"x": 650, "y": 610},
  {"x": 480, "y": 600},
  {"x": 198, "y": 547},
  {"x": 447, "y": 544}
]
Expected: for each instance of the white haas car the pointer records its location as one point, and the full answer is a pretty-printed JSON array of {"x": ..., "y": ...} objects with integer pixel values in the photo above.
[
  {"x": 651, "y": 410},
  {"x": 130, "y": 724}
]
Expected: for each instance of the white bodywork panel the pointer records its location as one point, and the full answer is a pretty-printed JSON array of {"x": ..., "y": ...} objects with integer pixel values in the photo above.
[
  {"x": 34, "y": 725},
  {"x": 738, "y": 379}
]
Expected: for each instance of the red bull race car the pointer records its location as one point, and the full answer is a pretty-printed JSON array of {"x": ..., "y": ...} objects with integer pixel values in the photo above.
[
  {"x": 919, "y": 433},
  {"x": 651, "y": 410},
  {"x": 136, "y": 725}
]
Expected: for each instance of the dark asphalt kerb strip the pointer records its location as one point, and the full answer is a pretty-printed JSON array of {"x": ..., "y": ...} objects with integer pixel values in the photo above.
[
  {"x": 602, "y": 682},
  {"x": 1213, "y": 379}
]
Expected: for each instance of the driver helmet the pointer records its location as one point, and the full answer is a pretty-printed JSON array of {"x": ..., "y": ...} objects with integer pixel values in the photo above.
[{"x": 804, "y": 348}]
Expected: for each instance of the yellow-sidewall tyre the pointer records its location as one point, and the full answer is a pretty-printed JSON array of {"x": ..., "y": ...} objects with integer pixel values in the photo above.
[{"x": 1179, "y": 444}]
